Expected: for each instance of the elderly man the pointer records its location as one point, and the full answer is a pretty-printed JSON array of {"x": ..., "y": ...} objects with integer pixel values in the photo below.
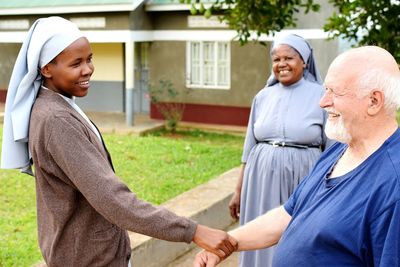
[{"x": 346, "y": 212}]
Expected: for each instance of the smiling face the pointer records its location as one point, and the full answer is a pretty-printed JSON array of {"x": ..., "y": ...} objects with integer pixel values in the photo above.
[
  {"x": 335, "y": 127},
  {"x": 287, "y": 64},
  {"x": 346, "y": 110},
  {"x": 69, "y": 73},
  {"x": 355, "y": 102}
]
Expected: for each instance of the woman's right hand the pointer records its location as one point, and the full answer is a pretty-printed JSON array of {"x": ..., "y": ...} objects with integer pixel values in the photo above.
[{"x": 234, "y": 205}]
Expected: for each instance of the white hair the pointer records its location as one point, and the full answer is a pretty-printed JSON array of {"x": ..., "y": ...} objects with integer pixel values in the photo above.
[{"x": 377, "y": 78}]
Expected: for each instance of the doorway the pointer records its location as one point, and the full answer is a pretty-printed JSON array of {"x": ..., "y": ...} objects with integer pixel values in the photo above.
[{"x": 141, "y": 98}]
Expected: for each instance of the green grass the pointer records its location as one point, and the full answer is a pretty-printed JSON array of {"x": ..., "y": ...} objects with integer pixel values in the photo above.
[
  {"x": 18, "y": 238},
  {"x": 155, "y": 167}
]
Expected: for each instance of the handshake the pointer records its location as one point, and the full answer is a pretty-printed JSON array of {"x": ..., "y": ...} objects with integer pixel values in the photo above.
[{"x": 218, "y": 245}]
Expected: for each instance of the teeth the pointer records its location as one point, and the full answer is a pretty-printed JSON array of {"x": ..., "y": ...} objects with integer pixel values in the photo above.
[
  {"x": 84, "y": 83},
  {"x": 334, "y": 115},
  {"x": 283, "y": 71}
]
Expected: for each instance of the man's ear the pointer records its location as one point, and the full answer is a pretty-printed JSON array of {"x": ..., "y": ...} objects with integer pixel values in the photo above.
[
  {"x": 376, "y": 102},
  {"x": 46, "y": 71}
]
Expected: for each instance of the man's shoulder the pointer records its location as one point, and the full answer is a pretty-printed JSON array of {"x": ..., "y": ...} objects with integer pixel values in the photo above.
[
  {"x": 384, "y": 173},
  {"x": 384, "y": 178},
  {"x": 392, "y": 146},
  {"x": 393, "y": 157}
]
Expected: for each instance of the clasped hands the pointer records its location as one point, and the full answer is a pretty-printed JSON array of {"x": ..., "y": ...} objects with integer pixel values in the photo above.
[{"x": 218, "y": 245}]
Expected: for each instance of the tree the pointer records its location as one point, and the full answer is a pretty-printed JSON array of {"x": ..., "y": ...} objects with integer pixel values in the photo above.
[
  {"x": 367, "y": 23},
  {"x": 259, "y": 16},
  {"x": 363, "y": 22}
]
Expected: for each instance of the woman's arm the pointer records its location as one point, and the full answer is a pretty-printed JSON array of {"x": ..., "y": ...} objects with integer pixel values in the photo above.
[{"x": 234, "y": 204}]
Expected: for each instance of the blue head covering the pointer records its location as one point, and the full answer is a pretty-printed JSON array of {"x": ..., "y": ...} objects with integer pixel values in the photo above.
[
  {"x": 47, "y": 38},
  {"x": 301, "y": 46}
]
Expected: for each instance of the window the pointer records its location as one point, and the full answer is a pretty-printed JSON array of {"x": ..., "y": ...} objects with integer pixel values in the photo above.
[{"x": 208, "y": 65}]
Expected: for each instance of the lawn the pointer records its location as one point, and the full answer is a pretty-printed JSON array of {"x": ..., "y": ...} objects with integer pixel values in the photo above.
[{"x": 156, "y": 167}]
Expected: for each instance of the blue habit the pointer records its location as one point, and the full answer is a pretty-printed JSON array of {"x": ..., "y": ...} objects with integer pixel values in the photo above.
[{"x": 351, "y": 220}]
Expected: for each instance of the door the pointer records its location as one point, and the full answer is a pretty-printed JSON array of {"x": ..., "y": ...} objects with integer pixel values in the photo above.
[{"x": 141, "y": 99}]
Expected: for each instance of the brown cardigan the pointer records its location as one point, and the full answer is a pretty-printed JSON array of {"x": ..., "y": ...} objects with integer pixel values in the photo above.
[{"x": 82, "y": 206}]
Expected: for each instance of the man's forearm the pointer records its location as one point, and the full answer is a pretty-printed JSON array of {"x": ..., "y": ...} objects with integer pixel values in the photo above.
[{"x": 262, "y": 232}]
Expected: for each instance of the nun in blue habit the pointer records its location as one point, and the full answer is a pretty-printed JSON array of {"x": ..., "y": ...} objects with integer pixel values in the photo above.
[{"x": 285, "y": 137}]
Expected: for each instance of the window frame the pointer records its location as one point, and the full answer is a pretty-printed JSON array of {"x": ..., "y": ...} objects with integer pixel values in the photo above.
[{"x": 216, "y": 67}]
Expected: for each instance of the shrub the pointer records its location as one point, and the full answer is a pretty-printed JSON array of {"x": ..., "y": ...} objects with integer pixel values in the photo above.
[{"x": 164, "y": 97}]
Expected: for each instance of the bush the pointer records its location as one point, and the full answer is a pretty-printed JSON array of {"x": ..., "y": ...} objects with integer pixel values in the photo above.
[{"x": 164, "y": 97}]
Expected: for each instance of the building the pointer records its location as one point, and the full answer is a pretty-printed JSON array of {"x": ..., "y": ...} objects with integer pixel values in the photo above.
[{"x": 137, "y": 43}]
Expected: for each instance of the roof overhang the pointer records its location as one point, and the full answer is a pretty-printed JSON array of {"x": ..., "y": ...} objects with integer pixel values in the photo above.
[
  {"x": 173, "y": 7},
  {"x": 178, "y": 7},
  {"x": 71, "y": 9}
]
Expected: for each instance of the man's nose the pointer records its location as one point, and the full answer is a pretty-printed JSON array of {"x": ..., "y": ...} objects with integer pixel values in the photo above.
[{"x": 325, "y": 101}]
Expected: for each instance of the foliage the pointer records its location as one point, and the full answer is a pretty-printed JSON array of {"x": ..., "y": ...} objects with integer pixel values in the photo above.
[
  {"x": 164, "y": 97},
  {"x": 156, "y": 168},
  {"x": 367, "y": 23},
  {"x": 259, "y": 16},
  {"x": 363, "y": 22}
]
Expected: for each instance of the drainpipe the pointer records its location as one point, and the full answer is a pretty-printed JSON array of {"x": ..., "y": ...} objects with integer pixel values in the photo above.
[{"x": 129, "y": 80}]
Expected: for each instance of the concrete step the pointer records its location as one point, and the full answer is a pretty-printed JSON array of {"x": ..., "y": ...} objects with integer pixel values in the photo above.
[{"x": 206, "y": 204}]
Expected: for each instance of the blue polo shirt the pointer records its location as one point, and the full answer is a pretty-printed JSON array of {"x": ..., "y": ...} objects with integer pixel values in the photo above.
[{"x": 351, "y": 220}]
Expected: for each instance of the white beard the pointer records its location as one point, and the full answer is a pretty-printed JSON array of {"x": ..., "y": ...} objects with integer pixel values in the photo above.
[{"x": 337, "y": 131}]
